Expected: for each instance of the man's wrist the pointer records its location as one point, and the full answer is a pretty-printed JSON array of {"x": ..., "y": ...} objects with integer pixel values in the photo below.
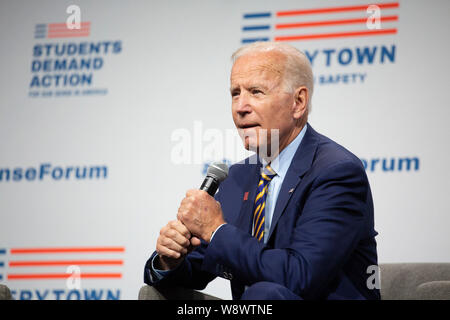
[
  {"x": 214, "y": 232},
  {"x": 166, "y": 264}
]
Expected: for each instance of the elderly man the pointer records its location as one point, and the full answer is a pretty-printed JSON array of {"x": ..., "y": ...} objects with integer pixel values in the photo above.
[{"x": 294, "y": 224}]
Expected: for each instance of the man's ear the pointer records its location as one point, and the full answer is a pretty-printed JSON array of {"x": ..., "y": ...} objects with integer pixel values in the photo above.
[{"x": 301, "y": 98}]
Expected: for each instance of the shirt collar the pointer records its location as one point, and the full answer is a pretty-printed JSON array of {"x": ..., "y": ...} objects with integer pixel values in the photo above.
[{"x": 282, "y": 162}]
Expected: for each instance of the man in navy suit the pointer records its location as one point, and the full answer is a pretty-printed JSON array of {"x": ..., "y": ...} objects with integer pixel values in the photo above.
[{"x": 293, "y": 223}]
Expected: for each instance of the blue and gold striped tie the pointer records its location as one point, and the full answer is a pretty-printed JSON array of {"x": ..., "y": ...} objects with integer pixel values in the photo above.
[{"x": 260, "y": 202}]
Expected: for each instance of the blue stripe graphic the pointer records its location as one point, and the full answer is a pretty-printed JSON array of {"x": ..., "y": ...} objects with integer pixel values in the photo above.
[
  {"x": 40, "y": 28},
  {"x": 253, "y": 28},
  {"x": 2, "y": 264},
  {"x": 40, "y": 31},
  {"x": 250, "y": 40},
  {"x": 257, "y": 15}
]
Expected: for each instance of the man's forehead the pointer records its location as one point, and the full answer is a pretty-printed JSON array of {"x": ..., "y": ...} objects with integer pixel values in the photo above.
[{"x": 262, "y": 66}]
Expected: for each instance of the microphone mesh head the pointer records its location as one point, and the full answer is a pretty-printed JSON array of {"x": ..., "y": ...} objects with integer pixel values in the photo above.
[{"x": 218, "y": 170}]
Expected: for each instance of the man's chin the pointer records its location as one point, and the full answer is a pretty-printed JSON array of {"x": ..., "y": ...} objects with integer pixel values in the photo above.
[
  {"x": 253, "y": 148},
  {"x": 250, "y": 144}
]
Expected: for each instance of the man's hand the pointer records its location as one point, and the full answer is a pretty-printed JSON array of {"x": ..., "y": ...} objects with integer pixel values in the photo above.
[
  {"x": 173, "y": 244},
  {"x": 200, "y": 213}
]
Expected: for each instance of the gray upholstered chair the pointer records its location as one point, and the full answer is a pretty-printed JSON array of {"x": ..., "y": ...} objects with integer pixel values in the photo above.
[
  {"x": 5, "y": 294},
  {"x": 415, "y": 281},
  {"x": 399, "y": 281},
  {"x": 150, "y": 293}
]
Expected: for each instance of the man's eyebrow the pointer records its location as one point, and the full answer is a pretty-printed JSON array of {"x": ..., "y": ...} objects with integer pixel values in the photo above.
[
  {"x": 249, "y": 86},
  {"x": 258, "y": 86}
]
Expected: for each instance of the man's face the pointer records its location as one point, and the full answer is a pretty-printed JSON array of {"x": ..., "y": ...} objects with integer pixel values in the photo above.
[{"x": 260, "y": 101}]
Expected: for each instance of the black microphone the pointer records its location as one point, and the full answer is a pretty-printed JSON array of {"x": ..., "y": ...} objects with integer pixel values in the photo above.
[{"x": 216, "y": 173}]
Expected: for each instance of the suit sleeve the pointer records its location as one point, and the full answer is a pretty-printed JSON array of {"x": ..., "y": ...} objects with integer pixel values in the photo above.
[
  {"x": 327, "y": 229},
  {"x": 188, "y": 274}
]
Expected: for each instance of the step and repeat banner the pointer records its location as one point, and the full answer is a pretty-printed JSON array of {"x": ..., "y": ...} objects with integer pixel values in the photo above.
[{"x": 111, "y": 110}]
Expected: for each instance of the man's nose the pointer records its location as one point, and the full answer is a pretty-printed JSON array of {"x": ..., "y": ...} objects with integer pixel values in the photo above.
[{"x": 243, "y": 105}]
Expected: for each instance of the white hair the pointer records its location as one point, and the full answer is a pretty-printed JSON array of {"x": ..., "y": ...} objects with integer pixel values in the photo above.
[{"x": 297, "y": 72}]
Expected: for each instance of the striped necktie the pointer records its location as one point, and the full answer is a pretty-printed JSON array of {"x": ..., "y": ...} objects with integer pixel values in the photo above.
[{"x": 260, "y": 202}]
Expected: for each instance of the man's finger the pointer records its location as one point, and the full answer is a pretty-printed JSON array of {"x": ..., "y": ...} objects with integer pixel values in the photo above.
[
  {"x": 166, "y": 252},
  {"x": 172, "y": 245},
  {"x": 172, "y": 234},
  {"x": 181, "y": 229},
  {"x": 195, "y": 242},
  {"x": 180, "y": 239},
  {"x": 189, "y": 192}
]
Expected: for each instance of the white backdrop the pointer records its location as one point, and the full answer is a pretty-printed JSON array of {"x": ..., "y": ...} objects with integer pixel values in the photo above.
[{"x": 164, "y": 72}]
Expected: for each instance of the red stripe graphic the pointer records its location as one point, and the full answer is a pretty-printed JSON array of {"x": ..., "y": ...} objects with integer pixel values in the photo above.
[
  {"x": 84, "y": 30},
  {"x": 389, "y": 5},
  {"x": 35, "y": 276},
  {"x": 60, "y": 30},
  {"x": 330, "y": 22},
  {"x": 66, "y": 250},
  {"x": 67, "y": 35},
  {"x": 65, "y": 263},
  {"x": 61, "y": 263},
  {"x": 63, "y": 25},
  {"x": 336, "y": 35}
]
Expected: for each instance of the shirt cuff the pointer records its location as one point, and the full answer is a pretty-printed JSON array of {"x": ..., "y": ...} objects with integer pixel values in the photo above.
[
  {"x": 212, "y": 235},
  {"x": 159, "y": 274}
]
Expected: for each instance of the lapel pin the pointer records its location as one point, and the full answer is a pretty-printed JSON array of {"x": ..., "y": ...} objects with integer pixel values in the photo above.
[
  {"x": 246, "y": 196},
  {"x": 292, "y": 190}
]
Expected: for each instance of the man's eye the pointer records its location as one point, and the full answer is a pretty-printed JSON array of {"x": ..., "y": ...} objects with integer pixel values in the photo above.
[
  {"x": 256, "y": 91},
  {"x": 234, "y": 93}
]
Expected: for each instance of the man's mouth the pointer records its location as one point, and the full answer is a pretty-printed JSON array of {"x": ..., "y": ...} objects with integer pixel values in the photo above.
[{"x": 249, "y": 125}]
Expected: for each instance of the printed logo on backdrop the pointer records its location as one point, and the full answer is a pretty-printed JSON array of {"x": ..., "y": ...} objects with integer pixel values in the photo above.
[
  {"x": 65, "y": 62},
  {"x": 66, "y": 273},
  {"x": 50, "y": 172},
  {"x": 371, "y": 165},
  {"x": 305, "y": 27}
]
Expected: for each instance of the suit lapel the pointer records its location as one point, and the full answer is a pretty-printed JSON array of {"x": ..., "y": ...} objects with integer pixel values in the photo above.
[
  {"x": 245, "y": 219},
  {"x": 301, "y": 162},
  {"x": 287, "y": 189}
]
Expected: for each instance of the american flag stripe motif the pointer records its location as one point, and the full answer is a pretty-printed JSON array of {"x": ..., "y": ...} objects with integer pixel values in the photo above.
[
  {"x": 51, "y": 263},
  {"x": 61, "y": 30},
  {"x": 318, "y": 23}
]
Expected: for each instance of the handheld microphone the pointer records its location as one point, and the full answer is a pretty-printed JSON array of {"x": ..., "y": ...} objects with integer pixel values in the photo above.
[{"x": 216, "y": 173}]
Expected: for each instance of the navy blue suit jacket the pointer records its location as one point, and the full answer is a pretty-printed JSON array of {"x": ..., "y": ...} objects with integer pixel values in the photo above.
[{"x": 322, "y": 236}]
